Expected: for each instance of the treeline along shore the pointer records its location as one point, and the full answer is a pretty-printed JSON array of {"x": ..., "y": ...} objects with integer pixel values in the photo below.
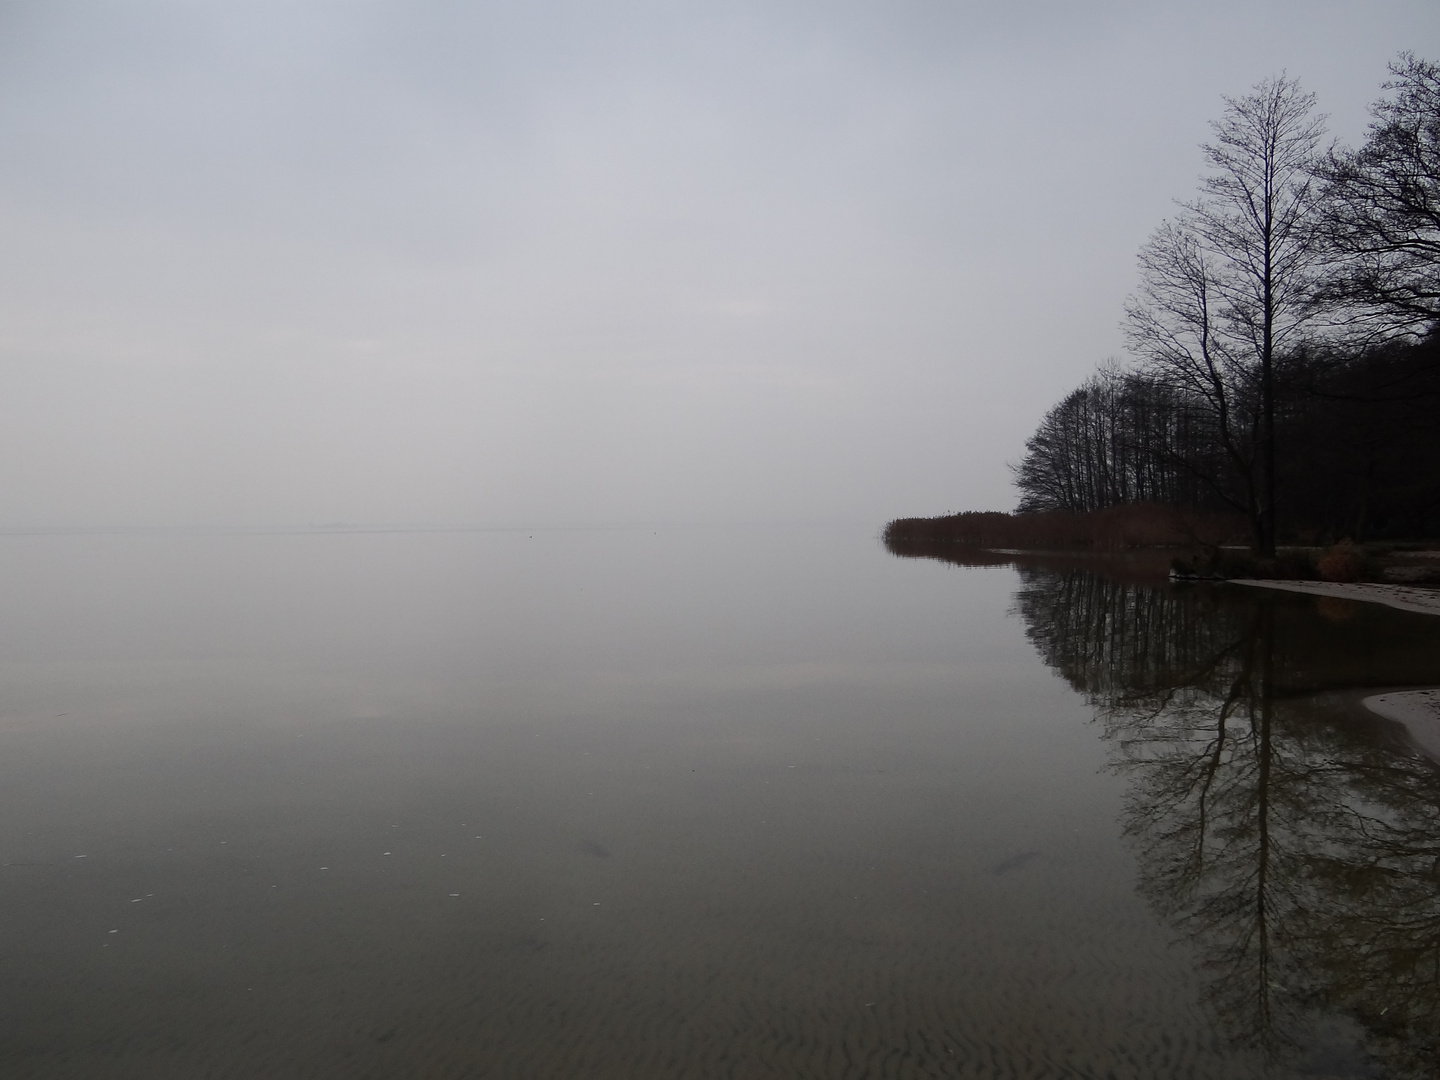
[
  {"x": 1282, "y": 389},
  {"x": 1146, "y": 541}
]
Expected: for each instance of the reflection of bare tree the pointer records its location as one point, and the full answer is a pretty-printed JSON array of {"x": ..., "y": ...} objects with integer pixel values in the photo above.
[{"x": 1296, "y": 844}]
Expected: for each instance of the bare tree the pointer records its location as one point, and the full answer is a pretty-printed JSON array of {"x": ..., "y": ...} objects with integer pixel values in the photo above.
[
  {"x": 1173, "y": 324},
  {"x": 1226, "y": 288},
  {"x": 1120, "y": 437},
  {"x": 1287, "y": 330},
  {"x": 1382, "y": 217}
]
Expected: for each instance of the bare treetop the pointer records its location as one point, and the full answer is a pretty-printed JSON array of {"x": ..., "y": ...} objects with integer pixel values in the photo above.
[
  {"x": 1258, "y": 209},
  {"x": 1226, "y": 286},
  {"x": 1383, "y": 213}
]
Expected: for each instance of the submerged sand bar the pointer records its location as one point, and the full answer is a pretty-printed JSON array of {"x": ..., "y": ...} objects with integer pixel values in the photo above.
[{"x": 1417, "y": 710}]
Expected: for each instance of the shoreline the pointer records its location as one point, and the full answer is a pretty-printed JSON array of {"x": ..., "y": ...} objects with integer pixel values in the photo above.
[{"x": 1404, "y": 597}]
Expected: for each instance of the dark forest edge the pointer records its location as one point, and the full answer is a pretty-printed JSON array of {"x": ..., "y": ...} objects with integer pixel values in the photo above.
[{"x": 1283, "y": 386}]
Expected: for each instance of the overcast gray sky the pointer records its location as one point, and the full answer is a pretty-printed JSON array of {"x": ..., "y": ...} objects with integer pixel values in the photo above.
[{"x": 599, "y": 262}]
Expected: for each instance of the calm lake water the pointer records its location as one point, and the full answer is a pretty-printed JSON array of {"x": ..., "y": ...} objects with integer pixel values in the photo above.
[{"x": 698, "y": 803}]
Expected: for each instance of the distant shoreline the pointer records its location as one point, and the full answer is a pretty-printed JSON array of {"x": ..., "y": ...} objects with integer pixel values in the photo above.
[
  {"x": 1136, "y": 525},
  {"x": 1197, "y": 546}
]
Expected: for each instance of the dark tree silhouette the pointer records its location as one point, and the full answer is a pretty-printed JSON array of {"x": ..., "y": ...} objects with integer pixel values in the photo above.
[
  {"x": 1286, "y": 337},
  {"x": 1226, "y": 288},
  {"x": 1361, "y": 448},
  {"x": 1119, "y": 438},
  {"x": 1173, "y": 326},
  {"x": 1382, "y": 214}
]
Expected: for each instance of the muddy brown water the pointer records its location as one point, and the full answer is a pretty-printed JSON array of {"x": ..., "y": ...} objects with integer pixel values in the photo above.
[{"x": 697, "y": 803}]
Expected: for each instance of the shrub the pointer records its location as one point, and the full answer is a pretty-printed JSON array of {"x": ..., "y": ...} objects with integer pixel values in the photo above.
[
  {"x": 1139, "y": 525},
  {"x": 1343, "y": 562}
]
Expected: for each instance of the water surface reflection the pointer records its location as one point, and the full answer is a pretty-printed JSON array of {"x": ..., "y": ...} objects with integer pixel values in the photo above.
[
  {"x": 1289, "y": 836},
  {"x": 737, "y": 803}
]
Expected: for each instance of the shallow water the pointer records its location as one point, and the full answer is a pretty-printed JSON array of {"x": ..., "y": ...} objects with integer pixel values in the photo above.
[{"x": 697, "y": 803}]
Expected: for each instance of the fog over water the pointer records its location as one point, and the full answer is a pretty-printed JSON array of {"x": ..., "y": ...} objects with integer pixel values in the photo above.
[{"x": 561, "y": 262}]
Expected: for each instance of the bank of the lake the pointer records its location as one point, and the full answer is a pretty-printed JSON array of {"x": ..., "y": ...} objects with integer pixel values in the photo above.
[
  {"x": 1190, "y": 544},
  {"x": 1419, "y": 598}
]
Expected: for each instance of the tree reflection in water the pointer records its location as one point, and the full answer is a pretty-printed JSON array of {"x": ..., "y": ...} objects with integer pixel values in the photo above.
[{"x": 1290, "y": 837}]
